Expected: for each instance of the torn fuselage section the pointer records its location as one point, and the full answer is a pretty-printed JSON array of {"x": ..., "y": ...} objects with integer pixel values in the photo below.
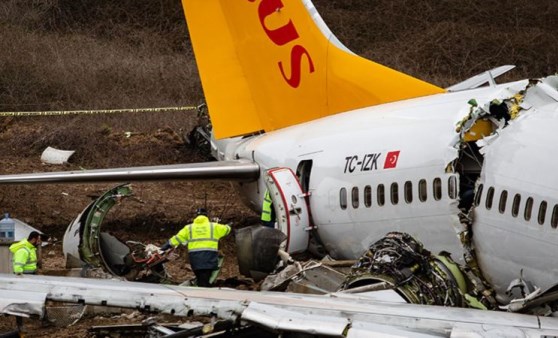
[
  {"x": 483, "y": 123},
  {"x": 515, "y": 213},
  {"x": 87, "y": 246},
  {"x": 504, "y": 145}
]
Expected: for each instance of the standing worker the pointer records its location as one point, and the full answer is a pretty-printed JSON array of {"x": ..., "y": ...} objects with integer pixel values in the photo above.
[
  {"x": 268, "y": 212},
  {"x": 25, "y": 254},
  {"x": 202, "y": 238}
]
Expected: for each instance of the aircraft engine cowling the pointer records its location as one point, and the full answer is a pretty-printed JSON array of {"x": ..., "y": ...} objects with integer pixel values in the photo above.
[
  {"x": 100, "y": 254},
  {"x": 257, "y": 250}
]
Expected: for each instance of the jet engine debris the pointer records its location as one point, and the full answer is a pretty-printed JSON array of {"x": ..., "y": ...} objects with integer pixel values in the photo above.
[
  {"x": 310, "y": 277},
  {"x": 402, "y": 263},
  {"x": 101, "y": 254},
  {"x": 257, "y": 258},
  {"x": 396, "y": 262}
]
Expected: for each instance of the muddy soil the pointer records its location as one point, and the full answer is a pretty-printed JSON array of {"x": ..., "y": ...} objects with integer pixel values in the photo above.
[{"x": 155, "y": 212}]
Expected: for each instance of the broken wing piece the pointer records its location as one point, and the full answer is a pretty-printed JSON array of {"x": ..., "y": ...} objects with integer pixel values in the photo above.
[
  {"x": 335, "y": 315},
  {"x": 226, "y": 170},
  {"x": 23, "y": 303}
]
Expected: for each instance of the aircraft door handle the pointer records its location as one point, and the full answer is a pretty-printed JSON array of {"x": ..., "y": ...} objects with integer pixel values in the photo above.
[{"x": 295, "y": 211}]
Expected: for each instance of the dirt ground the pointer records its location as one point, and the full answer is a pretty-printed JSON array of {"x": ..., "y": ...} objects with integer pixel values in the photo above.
[{"x": 155, "y": 212}]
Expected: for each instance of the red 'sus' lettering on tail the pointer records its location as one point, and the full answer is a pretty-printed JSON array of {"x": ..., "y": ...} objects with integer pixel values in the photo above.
[{"x": 282, "y": 36}]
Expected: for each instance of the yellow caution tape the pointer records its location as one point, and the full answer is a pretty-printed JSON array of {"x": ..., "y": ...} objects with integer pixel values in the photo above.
[{"x": 93, "y": 112}]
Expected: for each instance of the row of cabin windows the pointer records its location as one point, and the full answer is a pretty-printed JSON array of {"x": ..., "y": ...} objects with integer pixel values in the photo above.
[
  {"x": 515, "y": 207},
  {"x": 380, "y": 193}
]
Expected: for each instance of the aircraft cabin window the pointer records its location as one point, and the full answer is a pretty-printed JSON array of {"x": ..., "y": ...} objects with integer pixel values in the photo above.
[
  {"x": 354, "y": 197},
  {"x": 542, "y": 212},
  {"x": 554, "y": 219},
  {"x": 452, "y": 187},
  {"x": 478, "y": 196},
  {"x": 503, "y": 201},
  {"x": 408, "y": 191},
  {"x": 515, "y": 205},
  {"x": 423, "y": 193},
  {"x": 528, "y": 209},
  {"x": 489, "y": 197},
  {"x": 368, "y": 196},
  {"x": 381, "y": 195},
  {"x": 394, "y": 193},
  {"x": 343, "y": 198},
  {"x": 437, "y": 186}
]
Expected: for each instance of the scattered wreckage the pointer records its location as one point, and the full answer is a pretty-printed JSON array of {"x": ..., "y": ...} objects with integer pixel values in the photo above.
[
  {"x": 392, "y": 280},
  {"x": 400, "y": 268}
]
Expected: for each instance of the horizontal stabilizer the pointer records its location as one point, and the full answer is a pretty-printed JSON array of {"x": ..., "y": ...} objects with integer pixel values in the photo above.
[
  {"x": 226, "y": 170},
  {"x": 481, "y": 79}
]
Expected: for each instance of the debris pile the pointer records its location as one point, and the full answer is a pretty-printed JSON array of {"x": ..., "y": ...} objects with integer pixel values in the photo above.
[{"x": 401, "y": 263}]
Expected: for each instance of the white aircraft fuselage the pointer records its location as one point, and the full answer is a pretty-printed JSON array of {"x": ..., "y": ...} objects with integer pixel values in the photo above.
[{"x": 401, "y": 151}]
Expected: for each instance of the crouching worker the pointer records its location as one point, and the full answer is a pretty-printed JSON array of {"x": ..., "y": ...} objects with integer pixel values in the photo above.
[
  {"x": 25, "y": 254},
  {"x": 202, "y": 238}
]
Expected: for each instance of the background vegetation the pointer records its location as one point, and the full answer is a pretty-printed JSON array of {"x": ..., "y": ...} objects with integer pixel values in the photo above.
[
  {"x": 64, "y": 54},
  {"x": 100, "y": 54}
]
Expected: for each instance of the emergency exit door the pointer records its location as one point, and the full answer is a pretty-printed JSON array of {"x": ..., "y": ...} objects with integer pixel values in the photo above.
[{"x": 290, "y": 206}]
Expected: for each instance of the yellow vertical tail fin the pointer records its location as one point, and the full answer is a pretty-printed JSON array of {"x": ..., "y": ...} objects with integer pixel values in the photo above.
[{"x": 269, "y": 64}]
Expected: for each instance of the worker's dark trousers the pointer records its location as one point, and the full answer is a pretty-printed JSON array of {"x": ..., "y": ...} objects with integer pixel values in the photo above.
[{"x": 203, "y": 276}]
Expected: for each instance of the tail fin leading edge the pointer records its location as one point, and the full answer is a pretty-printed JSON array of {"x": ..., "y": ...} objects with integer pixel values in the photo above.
[{"x": 266, "y": 65}]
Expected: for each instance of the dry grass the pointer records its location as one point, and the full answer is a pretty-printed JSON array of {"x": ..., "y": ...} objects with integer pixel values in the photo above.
[
  {"x": 65, "y": 55},
  {"x": 447, "y": 41},
  {"x": 99, "y": 54},
  {"x": 94, "y": 55}
]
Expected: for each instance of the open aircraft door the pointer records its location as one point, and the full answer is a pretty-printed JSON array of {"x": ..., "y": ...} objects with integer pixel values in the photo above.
[{"x": 291, "y": 210}]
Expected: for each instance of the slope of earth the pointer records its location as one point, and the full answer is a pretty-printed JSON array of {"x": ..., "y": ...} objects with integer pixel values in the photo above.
[{"x": 155, "y": 212}]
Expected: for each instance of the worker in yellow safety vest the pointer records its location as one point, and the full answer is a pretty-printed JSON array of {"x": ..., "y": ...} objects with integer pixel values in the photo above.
[
  {"x": 25, "y": 254},
  {"x": 202, "y": 239},
  {"x": 268, "y": 212}
]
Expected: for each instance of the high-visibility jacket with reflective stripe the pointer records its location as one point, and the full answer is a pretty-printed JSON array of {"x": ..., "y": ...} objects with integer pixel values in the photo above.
[
  {"x": 201, "y": 235},
  {"x": 24, "y": 257},
  {"x": 266, "y": 207}
]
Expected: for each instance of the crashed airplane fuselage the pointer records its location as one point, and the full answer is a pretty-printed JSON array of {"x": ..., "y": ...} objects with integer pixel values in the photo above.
[{"x": 413, "y": 167}]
